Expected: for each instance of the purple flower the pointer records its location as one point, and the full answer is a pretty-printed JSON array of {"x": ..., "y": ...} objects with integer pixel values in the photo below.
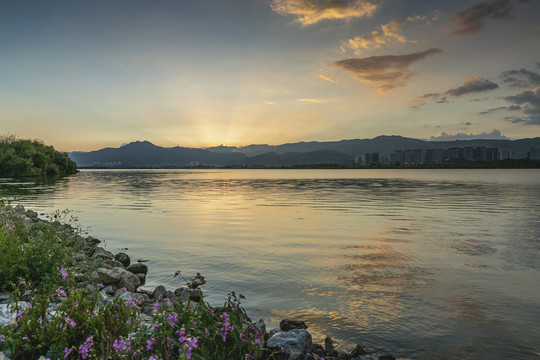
[
  {"x": 156, "y": 306},
  {"x": 121, "y": 344},
  {"x": 69, "y": 321},
  {"x": 150, "y": 343},
  {"x": 206, "y": 332},
  {"x": 248, "y": 356},
  {"x": 242, "y": 336},
  {"x": 156, "y": 327},
  {"x": 173, "y": 319},
  {"x": 27, "y": 292},
  {"x": 67, "y": 352},
  {"x": 100, "y": 286},
  {"x": 83, "y": 349},
  {"x": 63, "y": 272},
  {"x": 19, "y": 313},
  {"x": 61, "y": 293},
  {"x": 23, "y": 282}
]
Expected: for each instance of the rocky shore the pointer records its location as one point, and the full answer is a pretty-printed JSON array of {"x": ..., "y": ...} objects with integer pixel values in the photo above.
[{"x": 110, "y": 275}]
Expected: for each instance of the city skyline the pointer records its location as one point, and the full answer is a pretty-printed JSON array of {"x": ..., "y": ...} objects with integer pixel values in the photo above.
[{"x": 90, "y": 74}]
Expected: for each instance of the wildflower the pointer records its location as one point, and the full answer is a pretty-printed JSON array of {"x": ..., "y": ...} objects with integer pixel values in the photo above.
[
  {"x": 121, "y": 344},
  {"x": 176, "y": 274},
  {"x": 100, "y": 285},
  {"x": 281, "y": 349},
  {"x": 23, "y": 282},
  {"x": 173, "y": 319},
  {"x": 83, "y": 349},
  {"x": 248, "y": 356},
  {"x": 206, "y": 332},
  {"x": 67, "y": 351},
  {"x": 60, "y": 293},
  {"x": 27, "y": 292},
  {"x": 19, "y": 313},
  {"x": 242, "y": 336},
  {"x": 150, "y": 343},
  {"x": 69, "y": 321},
  {"x": 156, "y": 306},
  {"x": 156, "y": 327},
  {"x": 63, "y": 272}
]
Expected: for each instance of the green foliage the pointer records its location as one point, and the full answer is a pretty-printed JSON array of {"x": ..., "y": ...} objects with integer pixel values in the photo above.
[
  {"x": 34, "y": 251},
  {"x": 22, "y": 158}
]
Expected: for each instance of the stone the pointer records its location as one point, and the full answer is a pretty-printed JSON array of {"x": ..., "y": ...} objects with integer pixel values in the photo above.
[
  {"x": 182, "y": 294},
  {"x": 138, "y": 268},
  {"x": 108, "y": 276},
  {"x": 318, "y": 349},
  {"x": 289, "y": 324},
  {"x": 101, "y": 253},
  {"x": 363, "y": 357},
  {"x": 195, "y": 295},
  {"x": 31, "y": 214},
  {"x": 119, "y": 277},
  {"x": 142, "y": 278},
  {"x": 260, "y": 326},
  {"x": 357, "y": 351},
  {"x": 19, "y": 209},
  {"x": 160, "y": 292},
  {"x": 329, "y": 347},
  {"x": 387, "y": 357},
  {"x": 110, "y": 289},
  {"x": 123, "y": 258},
  {"x": 296, "y": 343}
]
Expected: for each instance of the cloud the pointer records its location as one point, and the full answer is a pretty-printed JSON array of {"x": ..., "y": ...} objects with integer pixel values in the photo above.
[
  {"x": 386, "y": 34},
  {"x": 472, "y": 84},
  {"x": 315, "y": 101},
  {"x": 471, "y": 20},
  {"x": 493, "y": 134},
  {"x": 329, "y": 79},
  {"x": 508, "y": 108},
  {"x": 388, "y": 70},
  {"x": 529, "y": 100},
  {"x": 309, "y": 12},
  {"x": 521, "y": 78}
]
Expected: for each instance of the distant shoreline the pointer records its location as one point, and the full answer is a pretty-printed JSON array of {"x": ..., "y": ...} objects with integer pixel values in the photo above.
[{"x": 498, "y": 164}]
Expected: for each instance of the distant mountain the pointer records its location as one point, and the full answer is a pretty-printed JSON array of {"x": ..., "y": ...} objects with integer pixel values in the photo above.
[{"x": 146, "y": 154}]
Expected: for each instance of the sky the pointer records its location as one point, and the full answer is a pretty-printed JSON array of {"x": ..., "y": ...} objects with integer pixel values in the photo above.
[{"x": 86, "y": 74}]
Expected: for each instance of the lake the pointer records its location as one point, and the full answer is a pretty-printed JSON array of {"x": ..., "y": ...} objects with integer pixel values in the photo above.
[{"x": 423, "y": 264}]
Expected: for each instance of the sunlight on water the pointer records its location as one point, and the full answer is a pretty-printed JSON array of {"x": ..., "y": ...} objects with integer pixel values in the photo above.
[{"x": 422, "y": 263}]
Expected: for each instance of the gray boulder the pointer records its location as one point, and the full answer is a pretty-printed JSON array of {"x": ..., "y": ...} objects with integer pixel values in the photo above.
[
  {"x": 120, "y": 277},
  {"x": 138, "y": 268},
  {"x": 295, "y": 343},
  {"x": 123, "y": 259}
]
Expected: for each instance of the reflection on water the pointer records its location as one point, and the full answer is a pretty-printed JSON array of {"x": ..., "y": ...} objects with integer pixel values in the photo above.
[{"x": 426, "y": 264}]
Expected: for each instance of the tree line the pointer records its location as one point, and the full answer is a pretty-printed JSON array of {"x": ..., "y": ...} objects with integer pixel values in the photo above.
[{"x": 25, "y": 158}]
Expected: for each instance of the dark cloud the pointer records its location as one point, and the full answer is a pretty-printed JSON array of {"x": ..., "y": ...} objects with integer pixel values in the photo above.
[
  {"x": 472, "y": 84},
  {"x": 471, "y": 20},
  {"x": 507, "y": 108},
  {"x": 529, "y": 103},
  {"x": 389, "y": 70},
  {"x": 521, "y": 78}
]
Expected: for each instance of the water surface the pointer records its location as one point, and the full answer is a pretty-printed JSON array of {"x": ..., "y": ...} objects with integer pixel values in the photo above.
[{"x": 424, "y": 264}]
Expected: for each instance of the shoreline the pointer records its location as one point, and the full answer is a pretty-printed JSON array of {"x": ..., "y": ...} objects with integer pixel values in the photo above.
[{"x": 112, "y": 275}]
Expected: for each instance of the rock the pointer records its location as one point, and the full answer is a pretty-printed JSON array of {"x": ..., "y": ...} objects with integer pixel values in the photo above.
[
  {"x": 19, "y": 209},
  {"x": 110, "y": 289},
  {"x": 387, "y": 357},
  {"x": 309, "y": 356},
  {"x": 289, "y": 324},
  {"x": 260, "y": 326},
  {"x": 101, "y": 253},
  {"x": 160, "y": 292},
  {"x": 318, "y": 349},
  {"x": 138, "y": 297},
  {"x": 195, "y": 295},
  {"x": 296, "y": 343},
  {"x": 329, "y": 347},
  {"x": 363, "y": 357},
  {"x": 119, "y": 277},
  {"x": 138, "y": 268},
  {"x": 182, "y": 294},
  {"x": 357, "y": 351},
  {"x": 142, "y": 278},
  {"x": 123, "y": 258},
  {"x": 92, "y": 240},
  {"x": 31, "y": 214}
]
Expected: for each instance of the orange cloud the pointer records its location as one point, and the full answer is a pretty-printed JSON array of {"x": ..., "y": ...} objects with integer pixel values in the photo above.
[
  {"x": 385, "y": 34},
  {"x": 389, "y": 70},
  {"x": 311, "y": 12}
]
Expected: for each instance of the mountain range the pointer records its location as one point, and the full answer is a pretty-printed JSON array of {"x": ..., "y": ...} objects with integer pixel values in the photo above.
[{"x": 146, "y": 154}]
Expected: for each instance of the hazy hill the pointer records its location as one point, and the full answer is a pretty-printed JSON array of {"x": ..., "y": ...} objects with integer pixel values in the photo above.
[{"x": 146, "y": 154}]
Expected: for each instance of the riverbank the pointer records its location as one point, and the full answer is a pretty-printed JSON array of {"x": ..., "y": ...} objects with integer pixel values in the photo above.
[{"x": 93, "y": 283}]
